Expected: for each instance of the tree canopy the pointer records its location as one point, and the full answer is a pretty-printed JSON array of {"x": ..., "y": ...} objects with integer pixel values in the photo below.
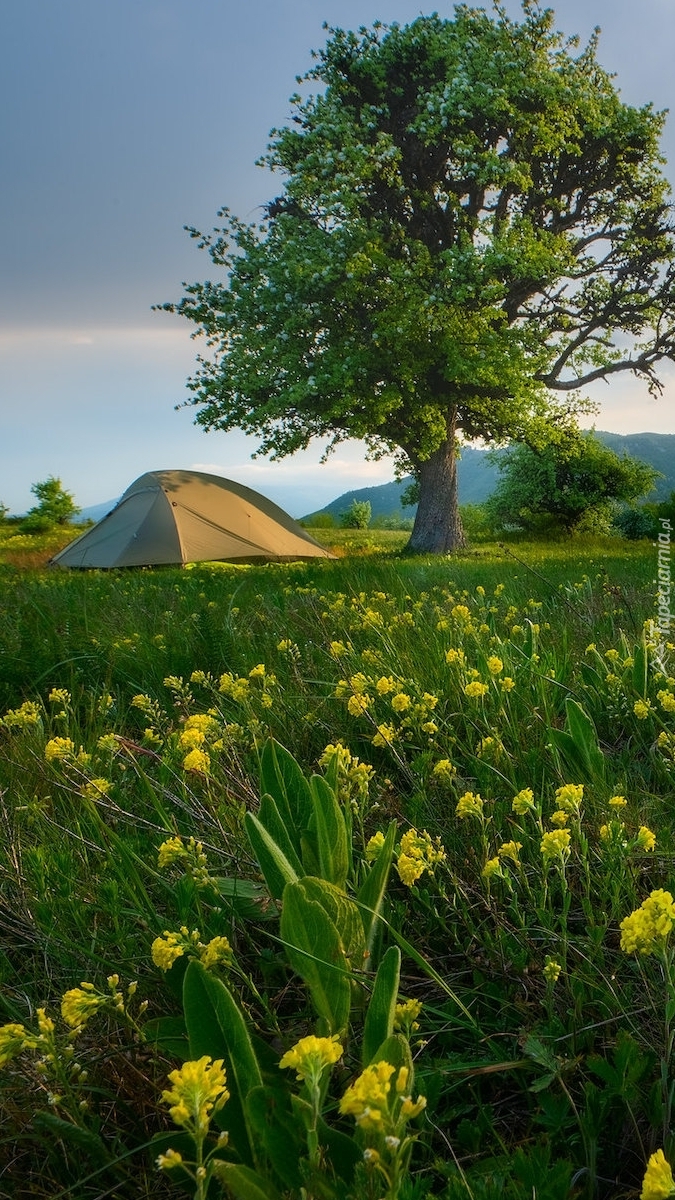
[
  {"x": 561, "y": 486},
  {"x": 473, "y": 226}
]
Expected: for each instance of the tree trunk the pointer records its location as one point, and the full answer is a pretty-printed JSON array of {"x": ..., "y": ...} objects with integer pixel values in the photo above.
[{"x": 438, "y": 524}]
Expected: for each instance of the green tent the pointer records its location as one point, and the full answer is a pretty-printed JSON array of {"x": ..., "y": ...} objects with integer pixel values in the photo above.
[{"x": 188, "y": 516}]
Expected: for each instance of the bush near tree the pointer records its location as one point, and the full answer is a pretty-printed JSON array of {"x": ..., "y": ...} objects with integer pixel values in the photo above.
[
  {"x": 558, "y": 488},
  {"x": 473, "y": 226}
]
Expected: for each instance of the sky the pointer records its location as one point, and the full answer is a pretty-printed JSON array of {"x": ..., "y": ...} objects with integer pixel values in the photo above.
[{"x": 121, "y": 121}]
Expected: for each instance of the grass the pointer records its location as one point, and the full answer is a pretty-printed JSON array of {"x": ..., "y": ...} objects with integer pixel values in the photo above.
[{"x": 543, "y": 1048}]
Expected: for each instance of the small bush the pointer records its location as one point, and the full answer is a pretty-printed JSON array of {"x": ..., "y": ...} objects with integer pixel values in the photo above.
[
  {"x": 357, "y": 515},
  {"x": 635, "y": 523}
]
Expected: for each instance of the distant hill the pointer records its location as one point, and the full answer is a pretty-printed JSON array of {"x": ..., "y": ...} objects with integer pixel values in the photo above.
[
  {"x": 477, "y": 477},
  {"x": 95, "y": 512},
  {"x": 476, "y": 480}
]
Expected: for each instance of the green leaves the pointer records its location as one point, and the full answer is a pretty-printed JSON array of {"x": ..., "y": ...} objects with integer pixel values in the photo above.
[
  {"x": 216, "y": 1027},
  {"x": 316, "y": 952},
  {"x": 578, "y": 744},
  {"x": 379, "y": 1024}
]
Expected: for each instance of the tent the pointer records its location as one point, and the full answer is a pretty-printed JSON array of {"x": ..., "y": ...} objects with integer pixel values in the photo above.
[{"x": 187, "y": 516}]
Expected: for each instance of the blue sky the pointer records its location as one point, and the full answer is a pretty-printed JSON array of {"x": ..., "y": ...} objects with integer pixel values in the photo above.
[{"x": 123, "y": 120}]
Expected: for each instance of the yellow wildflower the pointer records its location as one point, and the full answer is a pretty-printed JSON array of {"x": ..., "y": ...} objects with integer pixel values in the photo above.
[
  {"x": 495, "y": 665},
  {"x": 198, "y": 762},
  {"x": 29, "y": 714},
  {"x": 475, "y": 690},
  {"x": 642, "y": 708},
  {"x": 658, "y": 1183},
  {"x": 523, "y": 802},
  {"x": 59, "y": 748},
  {"x": 385, "y": 685},
  {"x": 257, "y": 672},
  {"x": 560, "y": 818},
  {"x": 569, "y": 797},
  {"x": 405, "y": 1016},
  {"x": 191, "y": 739},
  {"x": 367, "y": 1099},
  {"x": 94, "y": 789},
  {"x": 492, "y": 867},
  {"x": 444, "y": 770},
  {"x": 666, "y": 700},
  {"x": 410, "y": 869},
  {"x": 400, "y": 702},
  {"x": 617, "y": 802},
  {"x": 510, "y": 850},
  {"x": 455, "y": 657},
  {"x": 172, "y": 1158},
  {"x": 199, "y": 1090},
  {"x": 79, "y": 1004},
  {"x": 647, "y": 929},
  {"x": 165, "y": 950},
  {"x": 171, "y": 851},
  {"x": 551, "y": 970},
  {"x": 14, "y": 1038},
  {"x": 469, "y": 805},
  {"x": 507, "y": 684},
  {"x": 358, "y": 704},
  {"x": 108, "y": 743},
  {"x": 645, "y": 839},
  {"x": 311, "y": 1055},
  {"x": 555, "y": 844},
  {"x": 386, "y": 734},
  {"x": 374, "y": 846},
  {"x": 461, "y": 612},
  {"x": 218, "y": 950}
]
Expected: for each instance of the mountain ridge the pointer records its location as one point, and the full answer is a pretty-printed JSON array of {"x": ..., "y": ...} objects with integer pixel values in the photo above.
[{"x": 477, "y": 476}]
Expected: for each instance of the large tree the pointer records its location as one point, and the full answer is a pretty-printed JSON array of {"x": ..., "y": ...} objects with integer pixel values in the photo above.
[{"x": 472, "y": 227}]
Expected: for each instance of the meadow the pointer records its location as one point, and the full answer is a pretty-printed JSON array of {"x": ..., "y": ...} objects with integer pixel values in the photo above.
[{"x": 338, "y": 879}]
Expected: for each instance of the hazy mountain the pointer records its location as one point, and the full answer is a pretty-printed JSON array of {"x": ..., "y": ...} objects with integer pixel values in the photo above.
[{"x": 477, "y": 477}]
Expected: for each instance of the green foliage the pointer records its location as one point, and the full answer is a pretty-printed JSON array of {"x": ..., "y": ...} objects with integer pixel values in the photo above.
[
  {"x": 357, "y": 515},
  {"x": 447, "y": 181},
  {"x": 563, "y": 487},
  {"x": 636, "y": 523},
  {"x": 56, "y": 507}
]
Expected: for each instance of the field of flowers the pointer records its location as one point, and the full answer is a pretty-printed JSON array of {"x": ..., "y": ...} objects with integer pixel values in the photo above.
[{"x": 345, "y": 879}]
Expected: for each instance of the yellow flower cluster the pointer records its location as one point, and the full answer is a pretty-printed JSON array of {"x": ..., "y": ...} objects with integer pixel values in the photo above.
[
  {"x": 648, "y": 928},
  {"x": 475, "y": 690},
  {"x": 555, "y": 845},
  {"x": 417, "y": 854},
  {"x": 523, "y": 802},
  {"x": 444, "y": 770},
  {"x": 658, "y": 1183},
  {"x": 309, "y": 1057},
  {"x": 198, "y": 762},
  {"x": 405, "y": 1016},
  {"x": 172, "y": 946},
  {"x": 469, "y": 805},
  {"x": 14, "y": 1039},
  {"x": 569, "y": 797},
  {"x": 59, "y": 748},
  {"x": 374, "y": 1106},
  {"x": 81, "y": 1003},
  {"x": 28, "y": 716},
  {"x": 199, "y": 1090}
]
